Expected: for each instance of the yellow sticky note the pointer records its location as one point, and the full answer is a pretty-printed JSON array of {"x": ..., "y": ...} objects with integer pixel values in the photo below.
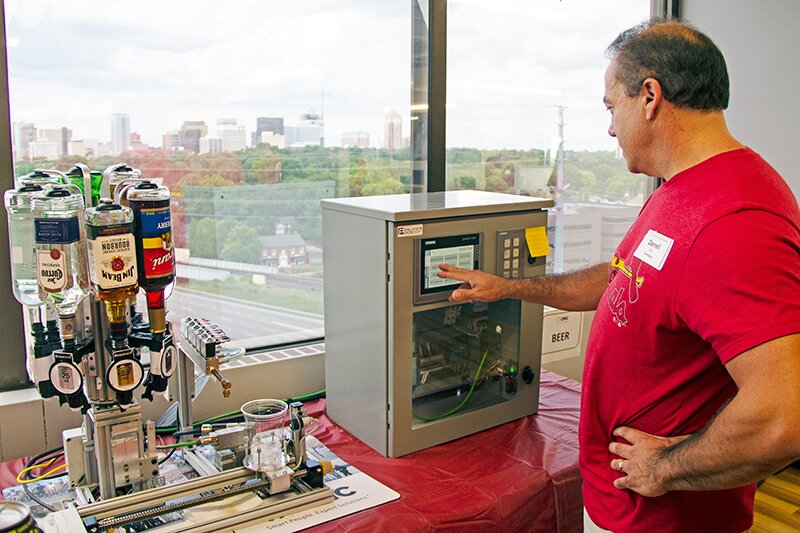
[{"x": 537, "y": 241}]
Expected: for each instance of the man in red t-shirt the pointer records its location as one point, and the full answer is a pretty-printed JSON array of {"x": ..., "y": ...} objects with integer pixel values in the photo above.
[{"x": 691, "y": 389}]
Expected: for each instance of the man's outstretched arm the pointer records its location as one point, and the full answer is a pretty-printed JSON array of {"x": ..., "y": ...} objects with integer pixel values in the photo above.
[{"x": 574, "y": 291}]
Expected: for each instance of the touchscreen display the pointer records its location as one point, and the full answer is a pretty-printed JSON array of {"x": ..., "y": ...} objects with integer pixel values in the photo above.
[{"x": 462, "y": 251}]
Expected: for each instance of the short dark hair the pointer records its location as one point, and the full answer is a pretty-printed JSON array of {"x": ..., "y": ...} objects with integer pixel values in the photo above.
[{"x": 685, "y": 61}]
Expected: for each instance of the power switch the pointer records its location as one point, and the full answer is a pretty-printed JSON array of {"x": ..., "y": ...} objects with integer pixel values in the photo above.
[{"x": 528, "y": 375}]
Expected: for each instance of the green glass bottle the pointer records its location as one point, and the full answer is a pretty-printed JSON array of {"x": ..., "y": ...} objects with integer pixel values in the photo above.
[{"x": 77, "y": 176}]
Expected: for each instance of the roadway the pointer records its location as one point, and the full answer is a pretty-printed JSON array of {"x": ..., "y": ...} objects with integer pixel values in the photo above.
[{"x": 249, "y": 324}]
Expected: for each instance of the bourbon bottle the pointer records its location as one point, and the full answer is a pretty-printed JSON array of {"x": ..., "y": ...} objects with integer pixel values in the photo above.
[{"x": 112, "y": 261}]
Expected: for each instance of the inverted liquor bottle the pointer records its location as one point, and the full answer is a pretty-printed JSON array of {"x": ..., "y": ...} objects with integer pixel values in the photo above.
[
  {"x": 20, "y": 240},
  {"x": 154, "y": 252},
  {"x": 112, "y": 261},
  {"x": 24, "y": 280},
  {"x": 61, "y": 273},
  {"x": 89, "y": 182},
  {"x": 153, "y": 231},
  {"x": 116, "y": 178},
  {"x": 46, "y": 178},
  {"x": 42, "y": 177},
  {"x": 118, "y": 174},
  {"x": 114, "y": 278}
]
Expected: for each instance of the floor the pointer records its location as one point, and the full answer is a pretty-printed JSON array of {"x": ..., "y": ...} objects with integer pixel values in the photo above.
[{"x": 778, "y": 503}]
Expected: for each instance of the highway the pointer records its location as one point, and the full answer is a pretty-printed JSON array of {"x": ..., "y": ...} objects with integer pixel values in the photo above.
[{"x": 248, "y": 324}]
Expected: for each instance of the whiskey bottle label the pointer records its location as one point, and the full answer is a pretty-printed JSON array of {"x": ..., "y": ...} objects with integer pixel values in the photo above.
[{"x": 112, "y": 261}]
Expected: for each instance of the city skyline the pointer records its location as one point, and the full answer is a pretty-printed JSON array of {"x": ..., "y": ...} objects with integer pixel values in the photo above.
[
  {"x": 32, "y": 141},
  {"x": 349, "y": 60}
]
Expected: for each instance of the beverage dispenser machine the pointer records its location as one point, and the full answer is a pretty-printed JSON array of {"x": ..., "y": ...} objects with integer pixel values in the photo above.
[{"x": 405, "y": 368}]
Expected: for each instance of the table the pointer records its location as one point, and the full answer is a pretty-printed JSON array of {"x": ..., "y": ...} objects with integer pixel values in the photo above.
[{"x": 519, "y": 476}]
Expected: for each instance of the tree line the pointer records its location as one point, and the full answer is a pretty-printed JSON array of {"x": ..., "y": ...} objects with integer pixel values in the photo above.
[{"x": 223, "y": 203}]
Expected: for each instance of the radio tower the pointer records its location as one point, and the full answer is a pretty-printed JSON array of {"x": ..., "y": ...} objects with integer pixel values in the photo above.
[
  {"x": 322, "y": 96},
  {"x": 558, "y": 209}
]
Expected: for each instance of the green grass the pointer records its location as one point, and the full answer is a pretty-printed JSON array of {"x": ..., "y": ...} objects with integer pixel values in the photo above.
[
  {"x": 314, "y": 271},
  {"x": 241, "y": 289}
]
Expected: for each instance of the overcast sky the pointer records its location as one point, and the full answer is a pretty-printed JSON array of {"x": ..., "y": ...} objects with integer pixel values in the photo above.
[{"x": 510, "y": 64}]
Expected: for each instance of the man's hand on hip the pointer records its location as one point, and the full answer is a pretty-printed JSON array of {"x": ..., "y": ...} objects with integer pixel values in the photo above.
[{"x": 640, "y": 461}]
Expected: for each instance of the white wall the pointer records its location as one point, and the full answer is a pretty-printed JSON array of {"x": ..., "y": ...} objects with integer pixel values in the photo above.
[{"x": 761, "y": 44}]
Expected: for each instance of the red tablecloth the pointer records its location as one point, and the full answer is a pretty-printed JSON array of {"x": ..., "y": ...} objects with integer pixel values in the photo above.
[{"x": 520, "y": 476}]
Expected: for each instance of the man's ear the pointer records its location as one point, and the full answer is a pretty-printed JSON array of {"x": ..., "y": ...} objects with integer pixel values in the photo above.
[{"x": 651, "y": 97}]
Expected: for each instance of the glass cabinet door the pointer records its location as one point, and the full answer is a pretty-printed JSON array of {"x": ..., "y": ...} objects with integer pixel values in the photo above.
[{"x": 465, "y": 358}]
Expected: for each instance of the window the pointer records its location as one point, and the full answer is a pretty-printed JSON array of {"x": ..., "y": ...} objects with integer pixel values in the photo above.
[
  {"x": 251, "y": 111},
  {"x": 525, "y": 113}
]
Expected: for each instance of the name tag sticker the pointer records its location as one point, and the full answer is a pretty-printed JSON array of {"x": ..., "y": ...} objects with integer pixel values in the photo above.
[{"x": 654, "y": 249}]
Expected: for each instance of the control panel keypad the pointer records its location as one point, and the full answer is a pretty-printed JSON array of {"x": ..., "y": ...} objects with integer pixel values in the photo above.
[{"x": 510, "y": 251}]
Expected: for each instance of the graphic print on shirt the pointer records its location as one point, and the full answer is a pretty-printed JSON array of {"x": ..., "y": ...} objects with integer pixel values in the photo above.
[{"x": 617, "y": 299}]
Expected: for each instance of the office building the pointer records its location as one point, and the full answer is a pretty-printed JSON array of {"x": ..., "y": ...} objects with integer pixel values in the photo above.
[
  {"x": 48, "y": 150},
  {"x": 232, "y": 134},
  {"x": 307, "y": 132},
  {"x": 359, "y": 139},
  {"x": 120, "y": 133},
  {"x": 393, "y": 131},
  {"x": 101, "y": 149},
  {"x": 137, "y": 147},
  {"x": 190, "y": 134},
  {"x": 76, "y": 147},
  {"x": 171, "y": 141},
  {"x": 23, "y": 134},
  {"x": 59, "y": 136},
  {"x": 66, "y": 136},
  {"x": 273, "y": 139},
  {"x": 210, "y": 145},
  {"x": 272, "y": 125},
  {"x": 86, "y": 148}
]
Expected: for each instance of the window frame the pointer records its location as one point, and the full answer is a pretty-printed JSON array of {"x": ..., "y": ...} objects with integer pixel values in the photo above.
[{"x": 12, "y": 336}]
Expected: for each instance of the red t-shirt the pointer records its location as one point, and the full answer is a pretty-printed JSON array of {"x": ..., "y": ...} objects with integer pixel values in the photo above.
[{"x": 709, "y": 269}]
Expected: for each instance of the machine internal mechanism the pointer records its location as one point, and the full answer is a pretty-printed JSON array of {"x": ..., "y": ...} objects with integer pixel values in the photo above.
[{"x": 465, "y": 357}]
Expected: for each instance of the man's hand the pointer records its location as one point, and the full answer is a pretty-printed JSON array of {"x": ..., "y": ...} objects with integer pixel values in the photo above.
[
  {"x": 478, "y": 286},
  {"x": 640, "y": 461}
]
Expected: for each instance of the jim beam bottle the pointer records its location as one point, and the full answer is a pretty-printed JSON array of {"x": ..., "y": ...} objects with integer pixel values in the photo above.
[
  {"x": 154, "y": 251},
  {"x": 112, "y": 261},
  {"x": 116, "y": 178},
  {"x": 114, "y": 278}
]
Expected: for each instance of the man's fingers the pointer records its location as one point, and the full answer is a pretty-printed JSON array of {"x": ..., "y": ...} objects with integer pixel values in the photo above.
[
  {"x": 627, "y": 433},
  {"x": 623, "y": 450},
  {"x": 446, "y": 271},
  {"x": 621, "y": 482},
  {"x": 459, "y": 295}
]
